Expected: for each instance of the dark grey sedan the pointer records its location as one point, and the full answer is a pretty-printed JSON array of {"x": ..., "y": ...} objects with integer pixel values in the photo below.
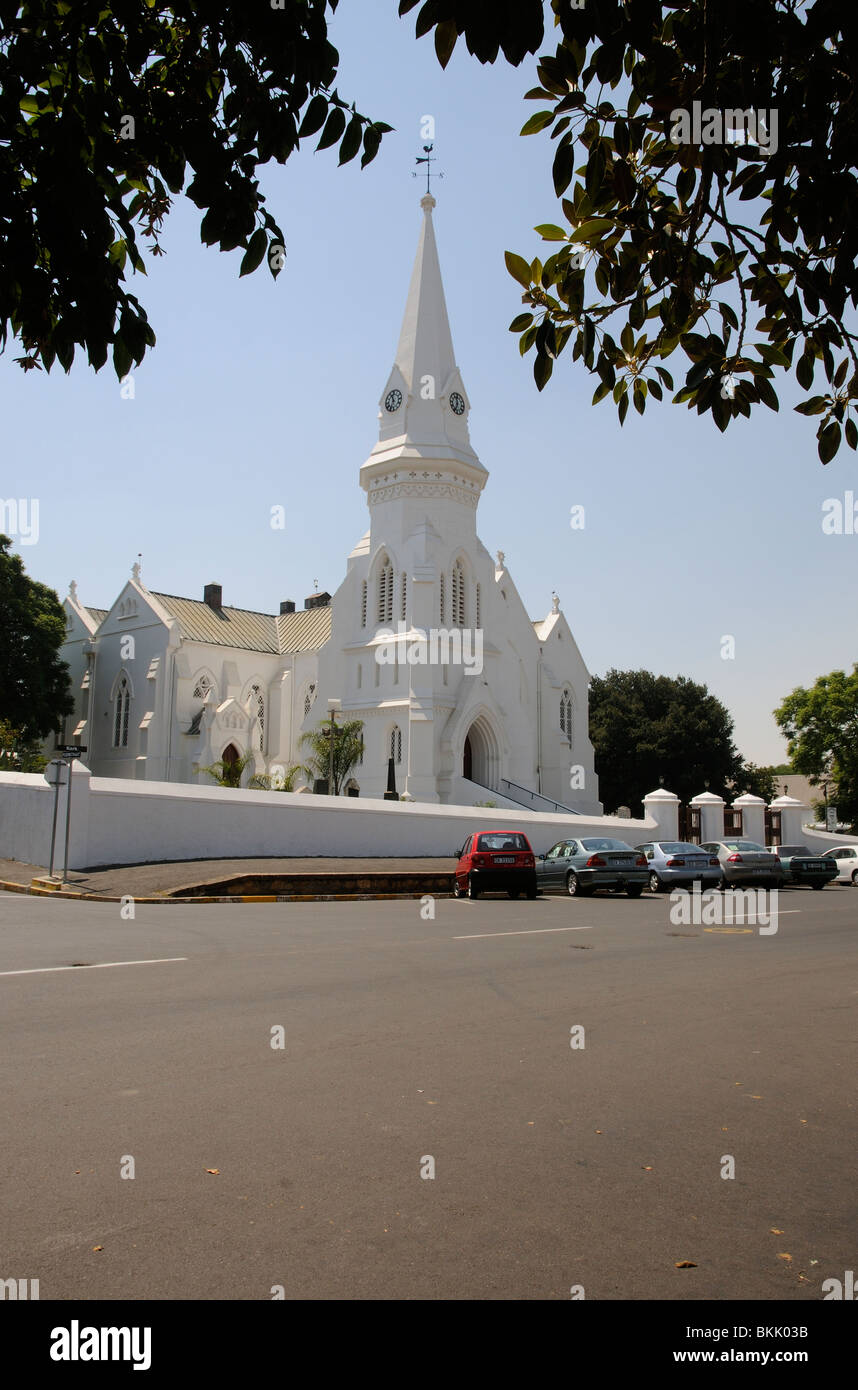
[
  {"x": 579, "y": 867},
  {"x": 801, "y": 865}
]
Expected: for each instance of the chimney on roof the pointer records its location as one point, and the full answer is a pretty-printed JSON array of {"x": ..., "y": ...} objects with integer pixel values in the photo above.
[
  {"x": 317, "y": 601},
  {"x": 287, "y": 605},
  {"x": 213, "y": 596}
]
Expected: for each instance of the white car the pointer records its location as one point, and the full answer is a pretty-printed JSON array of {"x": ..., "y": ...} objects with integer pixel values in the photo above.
[{"x": 846, "y": 859}]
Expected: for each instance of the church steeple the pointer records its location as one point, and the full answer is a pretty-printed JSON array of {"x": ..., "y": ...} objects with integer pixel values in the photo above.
[
  {"x": 423, "y": 410},
  {"x": 425, "y": 342}
]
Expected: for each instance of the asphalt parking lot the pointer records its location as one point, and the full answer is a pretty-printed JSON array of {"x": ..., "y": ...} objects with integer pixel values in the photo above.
[{"x": 409, "y": 1037}]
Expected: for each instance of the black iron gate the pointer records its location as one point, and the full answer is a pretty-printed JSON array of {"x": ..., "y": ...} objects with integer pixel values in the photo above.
[
  {"x": 689, "y": 824},
  {"x": 732, "y": 821}
]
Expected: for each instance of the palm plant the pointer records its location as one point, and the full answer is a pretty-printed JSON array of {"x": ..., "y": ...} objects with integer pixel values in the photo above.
[
  {"x": 229, "y": 773},
  {"x": 348, "y": 751},
  {"x": 279, "y": 779}
]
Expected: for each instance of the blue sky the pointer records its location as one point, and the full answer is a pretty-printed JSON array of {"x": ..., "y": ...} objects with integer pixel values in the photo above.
[{"x": 261, "y": 393}]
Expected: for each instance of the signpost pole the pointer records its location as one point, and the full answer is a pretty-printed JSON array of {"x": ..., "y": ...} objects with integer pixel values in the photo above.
[
  {"x": 68, "y": 821},
  {"x": 57, "y": 764},
  {"x": 70, "y": 752}
]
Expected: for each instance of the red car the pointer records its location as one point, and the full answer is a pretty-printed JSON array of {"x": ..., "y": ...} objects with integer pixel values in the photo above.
[{"x": 499, "y": 861}]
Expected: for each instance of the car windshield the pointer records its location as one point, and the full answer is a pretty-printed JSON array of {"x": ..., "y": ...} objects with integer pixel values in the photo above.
[
  {"x": 605, "y": 844},
  {"x": 744, "y": 844},
  {"x": 501, "y": 841},
  {"x": 786, "y": 851},
  {"x": 678, "y": 847}
]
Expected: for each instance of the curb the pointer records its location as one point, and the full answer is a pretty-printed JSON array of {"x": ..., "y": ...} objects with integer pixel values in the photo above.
[{"x": 245, "y": 898}]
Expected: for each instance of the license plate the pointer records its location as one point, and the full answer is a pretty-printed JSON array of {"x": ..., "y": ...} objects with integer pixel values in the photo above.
[
  {"x": 505, "y": 859},
  {"x": 817, "y": 868},
  {"x": 619, "y": 861},
  {"x": 762, "y": 871}
]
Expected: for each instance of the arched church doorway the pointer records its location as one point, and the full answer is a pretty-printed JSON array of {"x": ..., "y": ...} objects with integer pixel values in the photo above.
[
  {"x": 230, "y": 755},
  {"x": 481, "y": 755}
]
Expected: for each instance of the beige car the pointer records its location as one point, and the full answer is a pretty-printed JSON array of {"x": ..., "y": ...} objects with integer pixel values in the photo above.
[{"x": 744, "y": 861}]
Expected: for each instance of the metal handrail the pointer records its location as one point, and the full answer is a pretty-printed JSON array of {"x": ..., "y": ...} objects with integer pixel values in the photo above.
[{"x": 558, "y": 805}]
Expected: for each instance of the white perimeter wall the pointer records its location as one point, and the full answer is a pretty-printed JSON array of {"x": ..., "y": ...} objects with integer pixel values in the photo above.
[{"x": 115, "y": 821}]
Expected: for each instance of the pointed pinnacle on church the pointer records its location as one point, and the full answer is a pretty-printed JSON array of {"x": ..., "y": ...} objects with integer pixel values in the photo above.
[{"x": 425, "y": 341}]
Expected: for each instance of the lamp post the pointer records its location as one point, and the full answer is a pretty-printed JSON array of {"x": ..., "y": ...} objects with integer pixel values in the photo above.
[{"x": 333, "y": 706}]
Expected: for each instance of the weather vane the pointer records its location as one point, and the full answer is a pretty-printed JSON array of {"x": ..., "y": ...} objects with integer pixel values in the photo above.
[{"x": 427, "y": 158}]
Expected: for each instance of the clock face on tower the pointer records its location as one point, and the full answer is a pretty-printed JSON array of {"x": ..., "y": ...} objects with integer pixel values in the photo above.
[
  {"x": 457, "y": 404},
  {"x": 392, "y": 401}
]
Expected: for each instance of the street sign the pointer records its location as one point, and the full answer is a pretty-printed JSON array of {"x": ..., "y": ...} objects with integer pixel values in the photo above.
[
  {"x": 55, "y": 773},
  {"x": 71, "y": 750}
]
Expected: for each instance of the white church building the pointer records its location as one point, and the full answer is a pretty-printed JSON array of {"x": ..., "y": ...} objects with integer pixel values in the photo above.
[{"x": 426, "y": 641}]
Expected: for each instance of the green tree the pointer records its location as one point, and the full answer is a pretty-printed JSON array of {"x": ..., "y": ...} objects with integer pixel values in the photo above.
[
  {"x": 646, "y": 729},
  {"x": 821, "y": 725},
  {"x": 109, "y": 109},
  {"x": 739, "y": 252},
  {"x": 758, "y": 781},
  {"x": 34, "y": 683},
  {"x": 348, "y": 751},
  {"x": 18, "y": 754}
]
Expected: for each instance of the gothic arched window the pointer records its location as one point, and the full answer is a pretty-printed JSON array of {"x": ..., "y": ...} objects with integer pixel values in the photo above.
[
  {"x": 566, "y": 720},
  {"x": 363, "y": 604},
  {"x": 121, "y": 712},
  {"x": 443, "y": 599},
  {"x": 385, "y": 591},
  {"x": 404, "y": 595},
  {"x": 259, "y": 701},
  {"x": 458, "y": 595},
  {"x": 308, "y": 699},
  {"x": 202, "y": 687}
]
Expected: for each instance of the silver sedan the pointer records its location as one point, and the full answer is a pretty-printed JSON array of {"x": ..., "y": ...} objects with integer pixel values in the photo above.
[{"x": 675, "y": 863}]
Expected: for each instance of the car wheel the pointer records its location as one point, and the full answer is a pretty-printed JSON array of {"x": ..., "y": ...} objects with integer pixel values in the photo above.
[
  {"x": 532, "y": 892},
  {"x": 458, "y": 891},
  {"x": 513, "y": 892},
  {"x": 634, "y": 890},
  {"x": 855, "y": 878},
  {"x": 654, "y": 883},
  {"x": 574, "y": 886},
  {"x": 817, "y": 886},
  {"x": 473, "y": 890}
]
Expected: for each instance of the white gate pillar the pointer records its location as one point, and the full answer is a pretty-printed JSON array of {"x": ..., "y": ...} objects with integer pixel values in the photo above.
[
  {"x": 793, "y": 814},
  {"x": 711, "y": 809},
  {"x": 663, "y": 807},
  {"x": 753, "y": 810}
]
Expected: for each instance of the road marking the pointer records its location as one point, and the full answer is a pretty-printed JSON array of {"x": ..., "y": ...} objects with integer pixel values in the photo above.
[
  {"x": 101, "y": 965},
  {"x": 534, "y": 931}
]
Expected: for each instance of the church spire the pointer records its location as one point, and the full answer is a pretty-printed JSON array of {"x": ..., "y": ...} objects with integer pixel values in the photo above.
[
  {"x": 425, "y": 342},
  {"x": 424, "y": 407}
]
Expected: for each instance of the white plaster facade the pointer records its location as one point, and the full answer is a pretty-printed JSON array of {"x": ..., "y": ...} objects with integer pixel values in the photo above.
[{"x": 166, "y": 684}]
